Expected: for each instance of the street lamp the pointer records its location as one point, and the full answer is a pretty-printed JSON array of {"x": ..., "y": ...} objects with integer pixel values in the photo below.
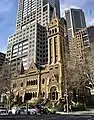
[
  {"x": 9, "y": 102},
  {"x": 66, "y": 88},
  {"x": 77, "y": 97},
  {"x": 67, "y": 101}
]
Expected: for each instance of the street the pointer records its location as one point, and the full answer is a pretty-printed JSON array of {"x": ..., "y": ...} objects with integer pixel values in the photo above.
[{"x": 48, "y": 117}]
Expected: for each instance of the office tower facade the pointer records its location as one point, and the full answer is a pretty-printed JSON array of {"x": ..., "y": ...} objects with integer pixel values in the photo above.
[
  {"x": 83, "y": 42},
  {"x": 90, "y": 31},
  {"x": 2, "y": 58},
  {"x": 66, "y": 35},
  {"x": 40, "y": 10},
  {"x": 75, "y": 21},
  {"x": 29, "y": 42}
]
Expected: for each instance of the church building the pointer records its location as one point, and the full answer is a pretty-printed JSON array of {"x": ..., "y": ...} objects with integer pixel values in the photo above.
[{"x": 47, "y": 81}]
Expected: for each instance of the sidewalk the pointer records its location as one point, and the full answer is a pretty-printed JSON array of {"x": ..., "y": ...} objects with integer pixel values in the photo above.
[{"x": 89, "y": 112}]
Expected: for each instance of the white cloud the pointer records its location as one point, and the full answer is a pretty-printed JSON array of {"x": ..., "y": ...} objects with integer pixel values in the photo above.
[{"x": 90, "y": 21}]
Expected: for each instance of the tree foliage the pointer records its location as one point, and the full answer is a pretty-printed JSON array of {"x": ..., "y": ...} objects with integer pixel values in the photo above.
[
  {"x": 78, "y": 76},
  {"x": 5, "y": 78}
]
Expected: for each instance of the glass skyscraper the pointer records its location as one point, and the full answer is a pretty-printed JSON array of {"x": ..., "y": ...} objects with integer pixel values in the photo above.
[{"x": 75, "y": 21}]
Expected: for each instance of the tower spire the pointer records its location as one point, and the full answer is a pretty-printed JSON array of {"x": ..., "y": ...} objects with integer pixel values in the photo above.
[
  {"x": 21, "y": 67},
  {"x": 54, "y": 13}
]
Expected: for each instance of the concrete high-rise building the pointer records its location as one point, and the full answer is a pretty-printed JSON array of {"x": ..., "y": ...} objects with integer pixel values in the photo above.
[
  {"x": 82, "y": 42},
  {"x": 40, "y": 10},
  {"x": 2, "y": 58},
  {"x": 29, "y": 42},
  {"x": 75, "y": 21}
]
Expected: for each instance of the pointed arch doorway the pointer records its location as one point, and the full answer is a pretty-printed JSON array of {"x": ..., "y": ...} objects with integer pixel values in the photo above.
[{"x": 53, "y": 93}]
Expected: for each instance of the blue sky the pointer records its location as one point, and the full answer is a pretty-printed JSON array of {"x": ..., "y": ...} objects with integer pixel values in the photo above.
[{"x": 8, "y": 11}]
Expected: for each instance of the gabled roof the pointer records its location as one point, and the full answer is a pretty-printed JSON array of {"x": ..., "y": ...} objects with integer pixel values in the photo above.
[{"x": 33, "y": 68}]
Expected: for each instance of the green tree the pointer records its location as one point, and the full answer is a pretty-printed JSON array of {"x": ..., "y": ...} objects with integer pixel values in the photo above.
[
  {"x": 76, "y": 81},
  {"x": 79, "y": 75},
  {"x": 5, "y": 81}
]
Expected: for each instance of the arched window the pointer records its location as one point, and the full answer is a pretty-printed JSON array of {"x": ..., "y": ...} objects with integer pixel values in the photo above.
[
  {"x": 21, "y": 84},
  {"x": 55, "y": 30},
  {"x": 43, "y": 93},
  {"x": 55, "y": 20},
  {"x": 33, "y": 95},
  {"x": 36, "y": 81},
  {"x": 52, "y": 30},
  {"x": 43, "y": 81},
  {"x": 27, "y": 83},
  {"x": 14, "y": 85}
]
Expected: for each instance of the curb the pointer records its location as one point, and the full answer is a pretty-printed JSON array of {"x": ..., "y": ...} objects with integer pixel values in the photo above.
[{"x": 80, "y": 113}]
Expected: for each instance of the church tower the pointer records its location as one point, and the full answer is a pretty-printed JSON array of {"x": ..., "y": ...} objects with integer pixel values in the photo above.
[
  {"x": 57, "y": 42},
  {"x": 57, "y": 49}
]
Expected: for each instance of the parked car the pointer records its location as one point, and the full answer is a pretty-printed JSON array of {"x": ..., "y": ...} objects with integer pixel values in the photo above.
[
  {"x": 42, "y": 109},
  {"x": 13, "y": 110},
  {"x": 23, "y": 110},
  {"x": 32, "y": 108},
  {"x": 9, "y": 112},
  {"x": 3, "y": 111}
]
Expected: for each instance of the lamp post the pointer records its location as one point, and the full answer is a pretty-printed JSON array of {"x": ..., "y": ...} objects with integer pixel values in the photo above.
[
  {"x": 67, "y": 101},
  {"x": 9, "y": 102},
  {"x": 66, "y": 88},
  {"x": 77, "y": 97}
]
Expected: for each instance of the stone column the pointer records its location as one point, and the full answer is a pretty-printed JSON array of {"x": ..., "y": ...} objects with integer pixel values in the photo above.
[
  {"x": 23, "y": 97},
  {"x": 60, "y": 79},
  {"x": 59, "y": 48},
  {"x": 47, "y": 87},
  {"x": 49, "y": 51},
  {"x": 39, "y": 83},
  {"x": 53, "y": 45}
]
